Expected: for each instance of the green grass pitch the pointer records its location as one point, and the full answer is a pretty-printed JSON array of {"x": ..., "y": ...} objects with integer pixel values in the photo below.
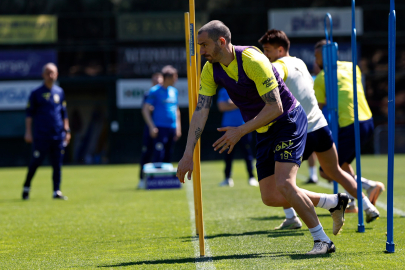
[{"x": 107, "y": 223}]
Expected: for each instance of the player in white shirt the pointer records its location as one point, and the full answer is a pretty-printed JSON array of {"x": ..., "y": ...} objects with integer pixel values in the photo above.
[{"x": 299, "y": 81}]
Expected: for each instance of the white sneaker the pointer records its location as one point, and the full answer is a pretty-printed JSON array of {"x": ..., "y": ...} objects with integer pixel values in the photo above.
[
  {"x": 142, "y": 184},
  {"x": 321, "y": 247},
  {"x": 226, "y": 182},
  {"x": 338, "y": 212},
  {"x": 253, "y": 182},
  {"x": 290, "y": 224},
  {"x": 372, "y": 214}
]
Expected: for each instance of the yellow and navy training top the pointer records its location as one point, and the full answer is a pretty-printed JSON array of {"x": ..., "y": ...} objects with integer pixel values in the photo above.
[
  {"x": 345, "y": 94},
  {"x": 257, "y": 68}
]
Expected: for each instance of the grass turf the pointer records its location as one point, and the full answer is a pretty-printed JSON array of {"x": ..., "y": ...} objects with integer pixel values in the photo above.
[{"x": 106, "y": 223}]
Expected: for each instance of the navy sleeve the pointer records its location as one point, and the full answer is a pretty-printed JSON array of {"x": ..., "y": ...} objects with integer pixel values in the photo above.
[
  {"x": 64, "y": 110},
  {"x": 30, "y": 110}
]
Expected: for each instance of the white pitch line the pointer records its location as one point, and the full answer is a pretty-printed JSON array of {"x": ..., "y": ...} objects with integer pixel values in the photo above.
[
  {"x": 379, "y": 203},
  {"x": 205, "y": 262}
]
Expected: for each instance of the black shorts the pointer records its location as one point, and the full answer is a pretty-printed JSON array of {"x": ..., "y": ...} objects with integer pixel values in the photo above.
[
  {"x": 347, "y": 143},
  {"x": 318, "y": 141}
]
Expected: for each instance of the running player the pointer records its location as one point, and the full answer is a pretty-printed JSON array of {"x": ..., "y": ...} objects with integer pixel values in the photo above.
[
  {"x": 268, "y": 107},
  {"x": 346, "y": 143},
  {"x": 299, "y": 81}
]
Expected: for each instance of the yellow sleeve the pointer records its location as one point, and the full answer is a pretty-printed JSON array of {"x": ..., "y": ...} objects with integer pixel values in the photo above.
[
  {"x": 208, "y": 87},
  {"x": 319, "y": 87},
  {"x": 281, "y": 68},
  {"x": 258, "y": 68}
]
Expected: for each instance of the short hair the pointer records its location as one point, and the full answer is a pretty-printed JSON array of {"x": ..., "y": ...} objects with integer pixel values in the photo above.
[
  {"x": 320, "y": 44},
  {"x": 215, "y": 30},
  {"x": 49, "y": 65},
  {"x": 276, "y": 37},
  {"x": 157, "y": 74},
  {"x": 168, "y": 71}
]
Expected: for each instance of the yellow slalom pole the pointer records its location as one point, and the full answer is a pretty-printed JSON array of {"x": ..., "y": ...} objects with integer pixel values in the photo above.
[
  {"x": 191, "y": 101},
  {"x": 197, "y": 168},
  {"x": 198, "y": 67}
]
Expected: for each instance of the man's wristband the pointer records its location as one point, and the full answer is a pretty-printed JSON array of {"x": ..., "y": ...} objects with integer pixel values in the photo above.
[{"x": 67, "y": 130}]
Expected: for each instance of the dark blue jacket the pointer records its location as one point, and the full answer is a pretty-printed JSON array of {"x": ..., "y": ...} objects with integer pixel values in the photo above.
[{"x": 47, "y": 107}]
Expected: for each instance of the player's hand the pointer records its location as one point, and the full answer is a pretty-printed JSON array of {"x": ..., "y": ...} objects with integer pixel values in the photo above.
[
  {"x": 184, "y": 167},
  {"x": 178, "y": 135},
  {"x": 67, "y": 138},
  {"x": 28, "y": 137},
  {"x": 228, "y": 140},
  {"x": 153, "y": 132}
]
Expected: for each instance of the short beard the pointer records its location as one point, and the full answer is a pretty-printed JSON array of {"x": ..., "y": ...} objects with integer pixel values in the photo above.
[{"x": 216, "y": 55}]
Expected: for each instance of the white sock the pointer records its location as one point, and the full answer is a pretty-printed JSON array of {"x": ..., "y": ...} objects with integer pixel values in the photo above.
[
  {"x": 290, "y": 213},
  {"x": 366, "y": 203},
  {"x": 319, "y": 234},
  {"x": 365, "y": 183},
  {"x": 328, "y": 201},
  {"x": 312, "y": 173},
  {"x": 26, "y": 189}
]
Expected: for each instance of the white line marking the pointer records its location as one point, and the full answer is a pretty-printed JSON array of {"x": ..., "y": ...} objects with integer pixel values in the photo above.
[
  {"x": 204, "y": 262},
  {"x": 379, "y": 203}
]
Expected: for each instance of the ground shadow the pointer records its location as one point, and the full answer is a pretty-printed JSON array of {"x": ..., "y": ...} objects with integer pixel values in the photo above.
[
  {"x": 11, "y": 200},
  {"x": 281, "y": 217},
  {"x": 293, "y": 256},
  {"x": 268, "y": 218},
  {"x": 273, "y": 234},
  {"x": 279, "y": 233},
  {"x": 186, "y": 260}
]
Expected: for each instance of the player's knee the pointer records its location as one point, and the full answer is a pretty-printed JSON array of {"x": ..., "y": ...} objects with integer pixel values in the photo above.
[
  {"x": 269, "y": 200},
  {"x": 284, "y": 186}
]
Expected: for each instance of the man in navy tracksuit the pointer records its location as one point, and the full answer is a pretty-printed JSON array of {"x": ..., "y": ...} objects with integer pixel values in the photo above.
[{"x": 47, "y": 127}]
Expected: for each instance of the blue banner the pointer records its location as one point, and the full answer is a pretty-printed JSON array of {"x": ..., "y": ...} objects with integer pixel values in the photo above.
[
  {"x": 306, "y": 53},
  {"x": 24, "y": 64}
]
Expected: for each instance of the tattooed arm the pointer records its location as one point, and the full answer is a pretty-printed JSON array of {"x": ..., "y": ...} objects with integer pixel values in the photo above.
[
  {"x": 271, "y": 110},
  {"x": 194, "y": 133}
]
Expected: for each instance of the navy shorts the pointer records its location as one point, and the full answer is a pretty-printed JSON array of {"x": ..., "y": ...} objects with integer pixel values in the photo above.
[
  {"x": 319, "y": 140},
  {"x": 283, "y": 142},
  {"x": 347, "y": 144}
]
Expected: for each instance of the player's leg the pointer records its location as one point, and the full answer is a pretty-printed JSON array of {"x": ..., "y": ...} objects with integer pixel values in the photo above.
[
  {"x": 228, "y": 181},
  {"x": 246, "y": 149},
  {"x": 39, "y": 150},
  {"x": 168, "y": 143},
  {"x": 313, "y": 176},
  {"x": 158, "y": 145},
  {"x": 346, "y": 154},
  {"x": 285, "y": 193},
  {"x": 329, "y": 163},
  {"x": 285, "y": 143},
  {"x": 147, "y": 151},
  {"x": 56, "y": 154}
]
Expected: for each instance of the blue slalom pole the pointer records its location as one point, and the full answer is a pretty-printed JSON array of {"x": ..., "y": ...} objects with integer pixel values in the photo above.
[
  {"x": 360, "y": 226},
  {"x": 329, "y": 55},
  {"x": 390, "y": 246}
]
